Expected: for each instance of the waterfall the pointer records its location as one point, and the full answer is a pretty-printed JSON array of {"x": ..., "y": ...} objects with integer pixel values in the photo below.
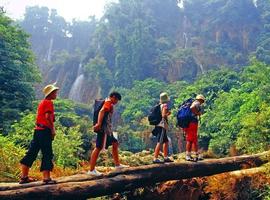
[
  {"x": 75, "y": 93},
  {"x": 79, "y": 72},
  {"x": 201, "y": 67},
  {"x": 185, "y": 40},
  {"x": 50, "y": 50}
]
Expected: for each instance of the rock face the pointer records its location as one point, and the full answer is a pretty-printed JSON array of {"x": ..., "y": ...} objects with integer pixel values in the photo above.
[{"x": 73, "y": 83}]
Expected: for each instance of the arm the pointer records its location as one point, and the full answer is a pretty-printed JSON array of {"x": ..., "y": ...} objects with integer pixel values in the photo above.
[
  {"x": 165, "y": 113},
  {"x": 101, "y": 114},
  {"x": 49, "y": 118},
  {"x": 195, "y": 110}
]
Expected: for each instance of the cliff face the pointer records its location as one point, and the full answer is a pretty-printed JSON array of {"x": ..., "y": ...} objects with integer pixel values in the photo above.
[
  {"x": 74, "y": 84},
  {"x": 204, "y": 40}
]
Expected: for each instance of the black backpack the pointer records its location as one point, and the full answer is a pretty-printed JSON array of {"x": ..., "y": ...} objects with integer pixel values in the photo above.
[
  {"x": 97, "y": 107},
  {"x": 155, "y": 115}
]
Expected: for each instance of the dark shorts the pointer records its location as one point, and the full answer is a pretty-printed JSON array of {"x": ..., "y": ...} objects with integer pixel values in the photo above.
[
  {"x": 109, "y": 141},
  {"x": 42, "y": 140},
  {"x": 161, "y": 134}
]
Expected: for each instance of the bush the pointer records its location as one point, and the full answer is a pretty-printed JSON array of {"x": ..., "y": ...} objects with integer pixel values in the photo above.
[{"x": 10, "y": 155}]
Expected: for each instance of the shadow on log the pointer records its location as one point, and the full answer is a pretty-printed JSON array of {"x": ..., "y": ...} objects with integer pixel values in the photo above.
[{"x": 84, "y": 186}]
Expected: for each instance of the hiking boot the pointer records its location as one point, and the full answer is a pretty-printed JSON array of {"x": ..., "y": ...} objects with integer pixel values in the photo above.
[
  {"x": 157, "y": 161},
  {"x": 189, "y": 158},
  {"x": 94, "y": 172},
  {"x": 26, "y": 179},
  {"x": 167, "y": 160},
  {"x": 49, "y": 181}
]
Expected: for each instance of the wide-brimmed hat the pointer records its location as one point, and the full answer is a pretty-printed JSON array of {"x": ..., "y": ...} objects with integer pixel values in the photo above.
[
  {"x": 200, "y": 97},
  {"x": 164, "y": 97},
  {"x": 48, "y": 89}
]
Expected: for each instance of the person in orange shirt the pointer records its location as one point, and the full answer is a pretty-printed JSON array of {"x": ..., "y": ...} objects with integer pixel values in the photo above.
[
  {"x": 105, "y": 136},
  {"x": 44, "y": 134}
]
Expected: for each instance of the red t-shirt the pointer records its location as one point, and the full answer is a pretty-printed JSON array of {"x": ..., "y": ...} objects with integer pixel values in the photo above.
[{"x": 45, "y": 106}]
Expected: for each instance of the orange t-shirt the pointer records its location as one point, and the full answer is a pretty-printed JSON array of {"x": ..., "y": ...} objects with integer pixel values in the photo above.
[
  {"x": 108, "y": 106},
  {"x": 45, "y": 106}
]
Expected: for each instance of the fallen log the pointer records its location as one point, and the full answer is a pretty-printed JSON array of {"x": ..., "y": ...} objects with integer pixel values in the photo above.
[{"x": 83, "y": 187}]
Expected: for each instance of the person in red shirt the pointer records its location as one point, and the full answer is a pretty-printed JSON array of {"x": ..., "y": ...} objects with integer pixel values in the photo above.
[
  {"x": 44, "y": 134},
  {"x": 192, "y": 129},
  {"x": 105, "y": 136}
]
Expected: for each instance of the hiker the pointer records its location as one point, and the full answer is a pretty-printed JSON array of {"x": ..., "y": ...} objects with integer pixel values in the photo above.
[
  {"x": 192, "y": 130},
  {"x": 44, "y": 134},
  {"x": 161, "y": 130},
  {"x": 105, "y": 137}
]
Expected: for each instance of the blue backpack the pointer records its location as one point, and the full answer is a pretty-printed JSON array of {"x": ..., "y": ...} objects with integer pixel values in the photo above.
[{"x": 184, "y": 114}]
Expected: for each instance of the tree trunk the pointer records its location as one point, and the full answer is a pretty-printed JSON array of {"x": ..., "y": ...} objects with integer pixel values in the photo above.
[{"x": 83, "y": 186}]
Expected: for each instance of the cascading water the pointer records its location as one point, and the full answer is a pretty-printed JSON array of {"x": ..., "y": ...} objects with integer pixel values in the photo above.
[
  {"x": 185, "y": 40},
  {"x": 76, "y": 92}
]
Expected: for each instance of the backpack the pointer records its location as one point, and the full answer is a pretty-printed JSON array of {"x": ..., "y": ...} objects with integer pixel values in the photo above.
[
  {"x": 155, "y": 115},
  {"x": 97, "y": 107},
  {"x": 184, "y": 114}
]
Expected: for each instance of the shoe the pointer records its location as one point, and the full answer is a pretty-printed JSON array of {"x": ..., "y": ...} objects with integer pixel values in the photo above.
[
  {"x": 195, "y": 159},
  {"x": 121, "y": 166},
  {"x": 200, "y": 157},
  {"x": 49, "y": 181},
  {"x": 167, "y": 160},
  {"x": 157, "y": 161},
  {"x": 94, "y": 172},
  {"x": 189, "y": 158},
  {"x": 26, "y": 179}
]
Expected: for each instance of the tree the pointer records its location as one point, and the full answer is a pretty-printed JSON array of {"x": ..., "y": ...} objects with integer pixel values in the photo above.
[{"x": 18, "y": 72}]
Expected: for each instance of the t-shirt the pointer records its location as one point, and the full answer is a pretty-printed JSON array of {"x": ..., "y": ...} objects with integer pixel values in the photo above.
[
  {"x": 108, "y": 107},
  {"x": 164, "y": 122},
  {"x": 196, "y": 104},
  {"x": 45, "y": 106}
]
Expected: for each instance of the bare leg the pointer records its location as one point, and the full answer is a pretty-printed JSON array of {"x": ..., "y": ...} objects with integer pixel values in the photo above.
[
  {"x": 165, "y": 149},
  {"x": 46, "y": 174},
  {"x": 195, "y": 147},
  {"x": 115, "y": 153},
  {"x": 94, "y": 157},
  {"x": 188, "y": 146},
  {"x": 157, "y": 149},
  {"x": 25, "y": 170}
]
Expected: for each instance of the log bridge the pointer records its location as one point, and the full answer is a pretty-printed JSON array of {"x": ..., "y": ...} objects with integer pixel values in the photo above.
[{"x": 82, "y": 186}]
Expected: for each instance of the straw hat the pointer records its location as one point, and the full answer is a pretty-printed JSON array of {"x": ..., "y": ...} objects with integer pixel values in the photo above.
[
  {"x": 200, "y": 97},
  {"x": 48, "y": 89},
  {"x": 164, "y": 97}
]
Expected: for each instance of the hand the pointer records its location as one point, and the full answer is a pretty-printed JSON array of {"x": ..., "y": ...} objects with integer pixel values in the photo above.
[
  {"x": 97, "y": 127},
  {"x": 53, "y": 134}
]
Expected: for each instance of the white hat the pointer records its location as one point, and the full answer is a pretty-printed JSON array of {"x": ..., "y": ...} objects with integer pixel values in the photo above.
[
  {"x": 48, "y": 89},
  {"x": 200, "y": 97},
  {"x": 164, "y": 97}
]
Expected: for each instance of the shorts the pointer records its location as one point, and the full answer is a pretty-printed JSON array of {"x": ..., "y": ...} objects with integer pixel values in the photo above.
[
  {"x": 192, "y": 133},
  {"x": 161, "y": 134},
  {"x": 109, "y": 140}
]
